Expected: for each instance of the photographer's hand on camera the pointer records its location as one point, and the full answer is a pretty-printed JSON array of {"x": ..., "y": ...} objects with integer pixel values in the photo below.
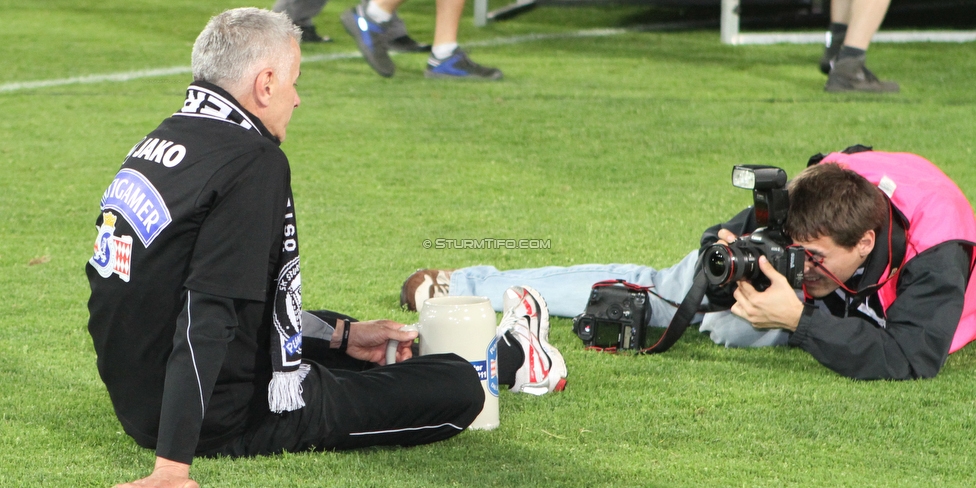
[
  {"x": 777, "y": 307},
  {"x": 726, "y": 237}
]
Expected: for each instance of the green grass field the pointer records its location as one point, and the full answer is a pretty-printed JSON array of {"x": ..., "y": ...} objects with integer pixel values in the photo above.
[{"x": 615, "y": 147}]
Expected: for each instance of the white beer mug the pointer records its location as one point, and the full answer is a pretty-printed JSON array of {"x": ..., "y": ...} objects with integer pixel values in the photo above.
[{"x": 464, "y": 326}]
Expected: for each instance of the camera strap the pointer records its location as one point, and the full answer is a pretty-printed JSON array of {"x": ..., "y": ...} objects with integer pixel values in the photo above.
[
  {"x": 625, "y": 283},
  {"x": 683, "y": 316}
]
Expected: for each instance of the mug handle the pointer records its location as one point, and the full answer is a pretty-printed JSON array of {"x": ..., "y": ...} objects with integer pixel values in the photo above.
[{"x": 391, "y": 345}]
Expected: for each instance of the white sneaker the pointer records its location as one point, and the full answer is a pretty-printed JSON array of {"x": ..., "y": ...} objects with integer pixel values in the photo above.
[
  {"x": 527, "y": 318},
  {"x": 424, "y": 284}
]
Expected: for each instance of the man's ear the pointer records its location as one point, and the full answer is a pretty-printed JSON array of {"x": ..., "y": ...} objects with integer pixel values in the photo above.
[
  {"x": 264, "y": 87},
  {"x": 866, "y": 244}
]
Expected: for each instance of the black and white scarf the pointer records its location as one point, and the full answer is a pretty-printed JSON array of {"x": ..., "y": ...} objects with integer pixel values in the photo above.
[
  {"x": 285, "y": 389},
  {"x": 204, "y": 100}
]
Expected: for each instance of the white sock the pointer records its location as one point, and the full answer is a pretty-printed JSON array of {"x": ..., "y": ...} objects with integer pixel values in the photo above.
[
  {"x": 443, "y": 51},
  {"x": 378, "y": 14}
]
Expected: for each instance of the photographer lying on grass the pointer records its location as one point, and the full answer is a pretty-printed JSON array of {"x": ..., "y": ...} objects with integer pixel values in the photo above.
[{"x": 888, "y": 240}]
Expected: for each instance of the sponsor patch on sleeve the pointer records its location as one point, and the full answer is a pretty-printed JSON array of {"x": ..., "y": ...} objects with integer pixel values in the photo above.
[
  {"x": 113, "y": 254},
  {"x": 133, "y": 195}
]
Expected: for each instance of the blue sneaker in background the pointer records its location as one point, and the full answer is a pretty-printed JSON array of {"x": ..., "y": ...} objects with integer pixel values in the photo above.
[
  {"x": 371, "y": 39},
  {"x": 459, "y": 65}
]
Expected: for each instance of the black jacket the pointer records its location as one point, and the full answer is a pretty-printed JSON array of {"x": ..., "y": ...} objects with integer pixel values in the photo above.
[
  {"x": 189, "y": 236},
  {"x": 854, "y": 336}
]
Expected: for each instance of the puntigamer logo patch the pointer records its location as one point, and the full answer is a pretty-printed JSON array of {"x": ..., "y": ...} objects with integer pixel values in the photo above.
[{"x": 133, "y": 196}]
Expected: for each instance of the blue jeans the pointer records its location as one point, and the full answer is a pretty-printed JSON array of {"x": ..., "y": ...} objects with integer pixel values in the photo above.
[{"x": 567, "y": 290}]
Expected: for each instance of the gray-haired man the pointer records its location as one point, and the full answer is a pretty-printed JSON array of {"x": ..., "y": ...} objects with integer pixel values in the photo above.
[{"x": 196, "y": 305}]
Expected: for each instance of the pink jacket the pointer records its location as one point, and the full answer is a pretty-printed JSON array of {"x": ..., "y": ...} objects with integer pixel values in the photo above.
[{"x": 936, "y": 210}]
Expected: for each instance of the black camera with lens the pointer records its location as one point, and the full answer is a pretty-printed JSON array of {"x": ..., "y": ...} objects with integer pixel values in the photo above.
[
  {"x": 616, "y": 317},
  {"x": 724, "y": 264}
]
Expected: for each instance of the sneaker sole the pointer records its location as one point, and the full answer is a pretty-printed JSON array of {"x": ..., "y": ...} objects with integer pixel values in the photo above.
[
  {"x": 852, "y": 89},
  {"x": 440, "y": 76},
  {"x": 542, "y": 388},
  {"x": 383, "y": 67}
]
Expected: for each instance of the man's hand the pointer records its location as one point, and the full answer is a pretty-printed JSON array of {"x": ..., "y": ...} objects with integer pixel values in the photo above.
[
  {"x": 777, "y": 307},
  {"x": 166, "y": 474},
  {"x": 367, "y": 340}
]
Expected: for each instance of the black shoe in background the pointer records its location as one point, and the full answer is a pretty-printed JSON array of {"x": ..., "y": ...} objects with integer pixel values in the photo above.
[
  {"x": 407, "y": 44},
  {"x": 850, "y": 75},
  {"x": 309, "y": 34}
]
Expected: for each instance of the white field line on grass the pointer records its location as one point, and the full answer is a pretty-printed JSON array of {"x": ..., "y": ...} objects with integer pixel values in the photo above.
[
  {"x": 818, "y": 37},
  {"x": 178, "y": 70}
]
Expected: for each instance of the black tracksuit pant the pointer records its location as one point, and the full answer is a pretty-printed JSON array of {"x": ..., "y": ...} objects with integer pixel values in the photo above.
[{"x": 351, "y": 404}]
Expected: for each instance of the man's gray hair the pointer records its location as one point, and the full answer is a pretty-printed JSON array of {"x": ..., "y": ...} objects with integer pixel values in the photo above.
[{"x": 237, "y": 43}]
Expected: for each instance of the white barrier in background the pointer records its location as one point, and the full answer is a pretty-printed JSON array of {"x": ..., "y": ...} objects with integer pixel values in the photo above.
[{"x": 730, "y": 33}]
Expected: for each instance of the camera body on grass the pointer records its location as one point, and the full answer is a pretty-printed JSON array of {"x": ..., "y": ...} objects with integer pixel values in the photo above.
[{"x": 616, "y": 317}]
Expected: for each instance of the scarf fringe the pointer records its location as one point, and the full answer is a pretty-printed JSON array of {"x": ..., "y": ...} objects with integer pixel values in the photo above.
[{"x": 285, "y": 390}]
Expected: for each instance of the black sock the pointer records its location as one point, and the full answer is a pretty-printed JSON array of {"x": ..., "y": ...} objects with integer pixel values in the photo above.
[
  {"x": 837, "y": 33},
  {"x": 851, "y": 52},
  {"x": 510, "y": 359}
]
